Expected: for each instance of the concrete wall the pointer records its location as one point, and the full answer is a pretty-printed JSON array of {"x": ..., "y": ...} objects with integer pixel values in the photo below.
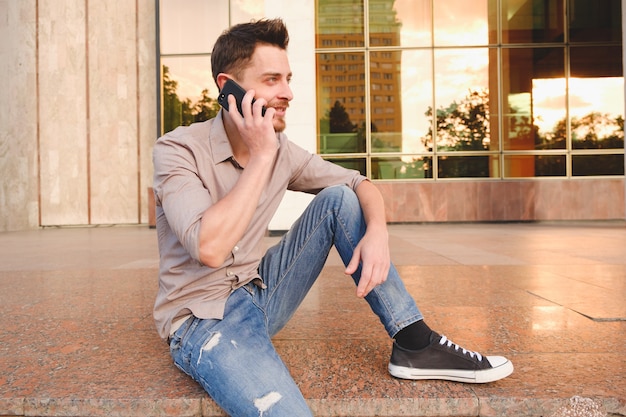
[
  {"x": 507, "y": 200},
  {"x": 299, "y": 16},
  {"x": 19, "y": 208},
  {"x": 77, "y": 111}
]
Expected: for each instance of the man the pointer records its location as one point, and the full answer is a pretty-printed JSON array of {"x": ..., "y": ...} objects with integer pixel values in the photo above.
[{"x": 221, "y": 299}]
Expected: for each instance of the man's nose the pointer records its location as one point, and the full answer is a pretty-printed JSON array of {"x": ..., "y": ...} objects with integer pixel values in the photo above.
[{"x": 285, "y": 92}]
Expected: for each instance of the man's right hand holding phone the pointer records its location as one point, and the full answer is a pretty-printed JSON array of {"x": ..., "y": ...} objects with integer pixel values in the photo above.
[{"x": 254, "y": 124}]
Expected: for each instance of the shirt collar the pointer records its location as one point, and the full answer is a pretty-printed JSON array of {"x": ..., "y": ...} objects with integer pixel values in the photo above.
[
  {"x": 220, "y": 146},
  {"x": 219, "y": 143}
]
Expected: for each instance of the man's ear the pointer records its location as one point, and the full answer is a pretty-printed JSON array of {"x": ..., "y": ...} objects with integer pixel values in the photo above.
[{"x": 221, "y": 80}]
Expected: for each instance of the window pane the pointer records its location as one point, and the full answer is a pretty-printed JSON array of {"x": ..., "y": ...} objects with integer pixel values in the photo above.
[
  {"x": 493, "y": 21},
  {"x": 524, "y": 166},
  {"x": 534, "y": 90},
  {"x": 595, "y": 21},
  {"x": 494, "y": 110},
  {"x": 531, "y": 21},
  {"x": 400, "y": 97},
  {"x": 596, "y": 61},
  {"x": 402, "y": 22},
  {"x": 462, "y": 99},
  {"x": 596, "y": 98},
  {"x": 207, "y": 18},
  {"x": 583, "y": 165},
  {"x": 464, "y": 166},
  {"x": 341, "y": 102},
  {"x": 339, "y": 24},
  {"x": 404, "y": 167},
  {"x": 189, "y": 93},
  {"x": 461, "y": 22},
  {"x": 358, "y": 164}
]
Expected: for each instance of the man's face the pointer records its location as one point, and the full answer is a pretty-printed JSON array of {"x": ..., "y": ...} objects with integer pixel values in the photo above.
[{"x": 269, "y": 75}]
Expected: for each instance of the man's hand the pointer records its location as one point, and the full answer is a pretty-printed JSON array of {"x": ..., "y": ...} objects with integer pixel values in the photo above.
[
  {"x": 255, "y": 129},
  {"x": 373, "y": 254}
]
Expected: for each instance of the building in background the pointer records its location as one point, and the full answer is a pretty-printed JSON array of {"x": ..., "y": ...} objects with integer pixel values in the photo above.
[{"x": 497, "y": 110}]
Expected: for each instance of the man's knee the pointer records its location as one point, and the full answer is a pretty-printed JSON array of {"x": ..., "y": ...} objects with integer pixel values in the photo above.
[
  {"x": 341, "y": 193},
  {"x": 341, "y": 200}
]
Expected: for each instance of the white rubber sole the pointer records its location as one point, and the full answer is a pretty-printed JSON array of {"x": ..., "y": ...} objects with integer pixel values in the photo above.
[{"x": 501, "y": 368}]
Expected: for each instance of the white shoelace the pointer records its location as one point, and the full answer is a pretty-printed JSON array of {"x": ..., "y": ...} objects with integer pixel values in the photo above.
[{"x": 444, "y": 340}]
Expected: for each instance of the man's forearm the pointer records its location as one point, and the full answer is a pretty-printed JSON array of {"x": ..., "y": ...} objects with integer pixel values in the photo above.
[
  {"x": 373, "y": 205},
  {"x": 224, "y": 223}
]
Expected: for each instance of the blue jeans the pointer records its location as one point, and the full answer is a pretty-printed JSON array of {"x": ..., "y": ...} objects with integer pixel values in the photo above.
[{"x": 234, "y": 359}]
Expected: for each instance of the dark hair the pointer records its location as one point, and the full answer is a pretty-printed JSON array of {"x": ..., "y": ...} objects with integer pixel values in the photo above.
[{"x": 233, "y": 50}]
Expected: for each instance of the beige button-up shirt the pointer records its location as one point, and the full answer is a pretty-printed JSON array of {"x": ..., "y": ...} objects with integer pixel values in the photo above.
[{"x": 194, "y": 168}]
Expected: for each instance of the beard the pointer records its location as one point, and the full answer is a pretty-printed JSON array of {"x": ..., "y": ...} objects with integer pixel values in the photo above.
[
  {"x": 279, "y": 124},
  {"x": 279, "y": 121}
]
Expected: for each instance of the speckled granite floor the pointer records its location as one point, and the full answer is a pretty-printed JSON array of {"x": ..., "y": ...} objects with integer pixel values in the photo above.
[{"x": 78, "y": 339}]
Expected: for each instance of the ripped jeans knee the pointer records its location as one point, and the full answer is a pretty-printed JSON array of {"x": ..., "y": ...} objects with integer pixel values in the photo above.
[{"x": 229, "y": 358}]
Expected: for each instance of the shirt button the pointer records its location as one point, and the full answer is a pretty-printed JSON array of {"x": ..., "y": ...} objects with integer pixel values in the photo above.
[
  {"x": 230, "y": 273},
  {"x": 236, "y": 248}
]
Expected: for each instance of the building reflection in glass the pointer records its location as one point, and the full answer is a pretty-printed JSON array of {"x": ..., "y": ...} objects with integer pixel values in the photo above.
[
  {"x": 418, "y": 89},
  {"x": 456, "y": 89}
]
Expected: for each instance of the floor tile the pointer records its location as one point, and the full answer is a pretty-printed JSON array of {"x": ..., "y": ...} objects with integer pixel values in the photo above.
[{"x": 79, "y": 339}]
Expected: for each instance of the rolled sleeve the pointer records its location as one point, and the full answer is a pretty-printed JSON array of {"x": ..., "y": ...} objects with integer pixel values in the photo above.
[
  {"x": 180, "y": 193},
  {"x": 316, "y": 173}
]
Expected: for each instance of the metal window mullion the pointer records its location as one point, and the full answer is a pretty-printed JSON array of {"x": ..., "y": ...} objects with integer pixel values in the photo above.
[
  {"x": 159, "y": 83},
  {"x": 500, "y": 88},
  {"x": 435, "y": 162},
  {"x": 568, "y": 125},
  {"x": 368, "y": 116},
  {"x": 500, "y": 99}
]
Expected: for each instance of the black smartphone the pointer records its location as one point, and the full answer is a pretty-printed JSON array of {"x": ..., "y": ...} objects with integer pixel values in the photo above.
[{"x": 231, "y": 87}]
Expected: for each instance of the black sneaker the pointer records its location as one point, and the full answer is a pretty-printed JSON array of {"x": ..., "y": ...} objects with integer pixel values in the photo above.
[{"x": 443, "y": 359}]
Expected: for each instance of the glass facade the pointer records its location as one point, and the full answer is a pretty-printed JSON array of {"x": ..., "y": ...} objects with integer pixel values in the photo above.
[
  {"x": 424, "y": 89},
  {"x": 188, "y": 93}
]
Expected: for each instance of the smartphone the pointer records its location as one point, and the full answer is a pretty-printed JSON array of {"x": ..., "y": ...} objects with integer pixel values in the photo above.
[{"x": 231, "y": 87}]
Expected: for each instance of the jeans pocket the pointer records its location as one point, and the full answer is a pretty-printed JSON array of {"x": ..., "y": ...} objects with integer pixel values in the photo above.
[{"x": 179, "y": 353}]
